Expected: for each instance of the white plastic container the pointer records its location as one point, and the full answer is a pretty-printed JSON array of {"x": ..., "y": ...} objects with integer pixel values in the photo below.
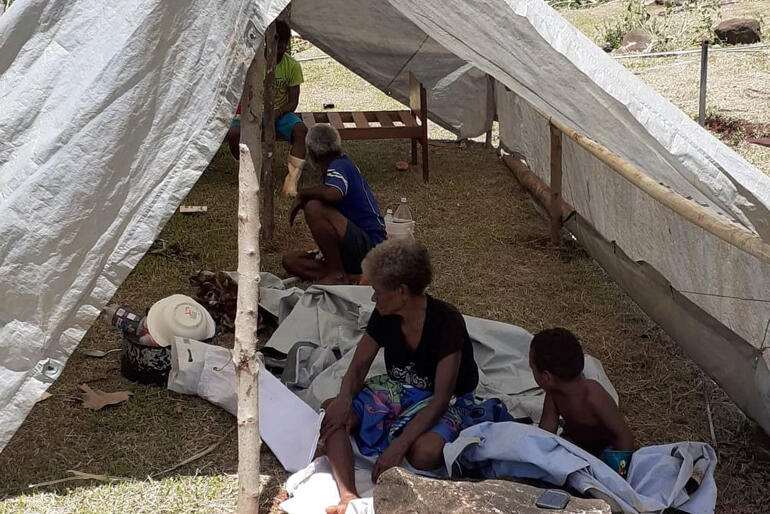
[{"x": 400, "y": 224}]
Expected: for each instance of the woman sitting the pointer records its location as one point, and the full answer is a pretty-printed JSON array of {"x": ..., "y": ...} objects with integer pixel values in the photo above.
[{"x": 418, "y": 406}]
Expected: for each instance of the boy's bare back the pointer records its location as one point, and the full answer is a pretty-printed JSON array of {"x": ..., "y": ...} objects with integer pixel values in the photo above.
[{"x": 592, "y": 420}]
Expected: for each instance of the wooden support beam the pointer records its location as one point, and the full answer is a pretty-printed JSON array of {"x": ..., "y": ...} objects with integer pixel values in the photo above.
[
  {"x": 268, "y": 210},
  {"x": 532, "y": 183},
  {"x": 554, "y": 204},
  {"x": 406, "y": 118},
  {"x": 245, "y": 350},
  {"x": 723, "y": 228}
]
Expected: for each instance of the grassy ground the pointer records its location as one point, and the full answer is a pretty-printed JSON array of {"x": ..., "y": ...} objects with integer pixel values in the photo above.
[
  {"x": 492, "y": 260},
  {"x": 737, "y": 82},
  {"x": 680, "y": 27}
]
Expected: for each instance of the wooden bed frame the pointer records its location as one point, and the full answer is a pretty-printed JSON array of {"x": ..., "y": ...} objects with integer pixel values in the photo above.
[{"x": 359, "y": 125}]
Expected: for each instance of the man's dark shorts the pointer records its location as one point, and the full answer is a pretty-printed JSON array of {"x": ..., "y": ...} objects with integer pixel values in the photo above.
[{"x": 355, "y": 245}]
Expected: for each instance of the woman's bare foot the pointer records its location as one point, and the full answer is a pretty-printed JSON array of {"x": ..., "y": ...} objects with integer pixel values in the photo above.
[{"x": 342, "y": 506}]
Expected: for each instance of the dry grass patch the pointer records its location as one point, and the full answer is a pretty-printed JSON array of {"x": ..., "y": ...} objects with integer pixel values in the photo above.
[{"x": 492, "y": 260}]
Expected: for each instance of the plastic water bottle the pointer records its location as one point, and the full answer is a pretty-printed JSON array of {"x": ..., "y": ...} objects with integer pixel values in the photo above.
[
  {"x": 401, "y": 225},
  {"x": 388, "y": 217},
  {"x": 133, "y": 325},
  {"x": 403, "y": 213},
  {"x": 124, "y": 320}
]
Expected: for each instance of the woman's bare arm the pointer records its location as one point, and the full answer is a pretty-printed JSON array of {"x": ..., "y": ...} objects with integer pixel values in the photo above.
[{"x": 339, "y": 410}]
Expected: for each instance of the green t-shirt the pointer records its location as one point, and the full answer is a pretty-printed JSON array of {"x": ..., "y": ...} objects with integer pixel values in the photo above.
[{"x": 288, "y": 73}]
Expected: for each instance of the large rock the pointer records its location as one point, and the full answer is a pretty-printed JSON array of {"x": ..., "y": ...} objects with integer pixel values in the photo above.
[
  {"x": 739, "y": 31},
  {"x": 635, "y": 41},
  {"x": 398, "y": 491}
]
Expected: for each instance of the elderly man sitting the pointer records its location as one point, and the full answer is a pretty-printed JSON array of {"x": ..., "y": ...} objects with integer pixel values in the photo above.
[{"x": 341, "y": 213}]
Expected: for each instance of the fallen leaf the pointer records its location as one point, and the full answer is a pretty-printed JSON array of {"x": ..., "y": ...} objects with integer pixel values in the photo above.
[
  {"x": 96, "y": 399},
  {"x": 44, "y": 396},
  {"x": 178, "y": 408}
]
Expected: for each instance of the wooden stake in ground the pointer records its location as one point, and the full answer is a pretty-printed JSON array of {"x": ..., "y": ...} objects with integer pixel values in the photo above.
[
  {"x": 271, "y": 50},
  {"x": 554, "y": 206},
  {"x": 246, "y": 364}
]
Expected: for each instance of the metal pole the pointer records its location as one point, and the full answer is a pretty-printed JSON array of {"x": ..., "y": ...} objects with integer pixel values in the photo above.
[{"x": 704, "y": 62}]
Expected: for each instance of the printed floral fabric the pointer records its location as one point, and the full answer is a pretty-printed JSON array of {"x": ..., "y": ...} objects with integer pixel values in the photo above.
[{"x": 385, "y": 406}]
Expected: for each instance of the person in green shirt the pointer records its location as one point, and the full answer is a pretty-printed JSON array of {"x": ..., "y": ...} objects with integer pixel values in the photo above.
[{"x": 289, "y": 126}]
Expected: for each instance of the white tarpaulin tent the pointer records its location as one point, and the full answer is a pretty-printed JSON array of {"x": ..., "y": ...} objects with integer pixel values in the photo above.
[{"x": 110, "y": 113}]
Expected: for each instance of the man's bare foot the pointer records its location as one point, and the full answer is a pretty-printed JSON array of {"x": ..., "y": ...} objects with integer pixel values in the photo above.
[
  {"x": 342, "y": 506},
  {"x": 333, "y": 279}
]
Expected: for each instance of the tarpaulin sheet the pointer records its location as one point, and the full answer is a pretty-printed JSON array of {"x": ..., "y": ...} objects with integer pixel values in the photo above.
[
  {"x": 109, "y": 113},
  {"x": 731, "y": 287}
]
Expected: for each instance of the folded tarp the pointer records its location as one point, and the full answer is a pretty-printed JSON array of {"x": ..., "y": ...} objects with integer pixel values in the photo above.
[{"x": 333, "y": 319}]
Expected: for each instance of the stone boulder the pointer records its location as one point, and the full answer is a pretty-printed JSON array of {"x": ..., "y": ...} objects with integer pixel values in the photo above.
[
  {"x": 739, "y": 31},
  {"x": 635, "y": 41},
  {"x": 398, "y": 491}
]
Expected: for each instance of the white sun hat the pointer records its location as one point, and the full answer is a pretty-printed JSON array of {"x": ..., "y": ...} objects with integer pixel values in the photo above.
[{"x": 179, "y": 315}]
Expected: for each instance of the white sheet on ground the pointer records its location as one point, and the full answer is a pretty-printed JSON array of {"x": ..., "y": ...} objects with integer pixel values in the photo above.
[
  {"x": 313, "y": 489},
  {"x": 286, "y": 424},
  {"x": 656, "y": 478}
]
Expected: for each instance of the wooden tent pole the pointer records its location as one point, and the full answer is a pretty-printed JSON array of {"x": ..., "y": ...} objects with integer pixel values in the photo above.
[
  {"x": 268, "y": 211},
  {"x": 554, "y": 204},
  {"x": 724, "y": 229},
  {"x": 244, "y": 357}
]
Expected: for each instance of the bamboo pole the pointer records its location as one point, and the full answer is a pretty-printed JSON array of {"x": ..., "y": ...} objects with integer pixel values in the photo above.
[
  {"x": 554, "y": 203},
  {"x": 725, "y": 230},
  {"x": 268, "y": 211},
  {"x": 244, "y": 357}
]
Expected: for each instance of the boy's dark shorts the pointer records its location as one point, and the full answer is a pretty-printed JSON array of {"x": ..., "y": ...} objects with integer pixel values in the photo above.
[{"x": 355, "y": 245}]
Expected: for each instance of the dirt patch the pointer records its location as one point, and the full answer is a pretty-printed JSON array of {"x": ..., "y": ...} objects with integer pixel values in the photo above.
[{"x": 737, "y": 130}]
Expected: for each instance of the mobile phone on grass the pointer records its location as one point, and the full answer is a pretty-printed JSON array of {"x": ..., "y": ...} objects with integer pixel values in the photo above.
[{"x": 552, "y": 499}]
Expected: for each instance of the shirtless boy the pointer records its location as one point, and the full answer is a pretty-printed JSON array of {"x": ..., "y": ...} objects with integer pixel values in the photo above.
[{"x": 592, "y": 420}]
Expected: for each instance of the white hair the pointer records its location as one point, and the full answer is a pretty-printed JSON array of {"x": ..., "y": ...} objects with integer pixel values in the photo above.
[
  {"x": 323, "y": 142},
  {"x": 399, "y": 261}
]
